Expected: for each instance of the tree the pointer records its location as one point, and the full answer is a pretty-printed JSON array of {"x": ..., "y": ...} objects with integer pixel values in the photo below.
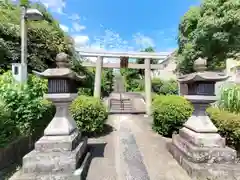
[
  {"x": 210, "y": 31},
  {"x": 87, "y": 87},
  {"x": 141, "y": 61},
  {"x": 45, "y": 38}
]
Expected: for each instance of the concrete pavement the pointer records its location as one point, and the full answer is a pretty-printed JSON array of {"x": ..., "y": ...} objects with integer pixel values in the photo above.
[{"x": 132, "y": 151}]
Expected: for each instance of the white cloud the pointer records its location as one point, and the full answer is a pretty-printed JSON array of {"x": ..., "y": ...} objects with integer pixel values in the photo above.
[
  {"x": 95, "y": 46},
  {"x": 143, "y": 41},
  {"x": 112, "y": 41},
  {"x": 81, "y": 41},
  {"x": 74, "y": 17},
  {"x": 109, "y": 41},
  {"x": 64, "y": 28},
  {"x": 77, "y": 27},
  {"x": 54, "y": 5}
]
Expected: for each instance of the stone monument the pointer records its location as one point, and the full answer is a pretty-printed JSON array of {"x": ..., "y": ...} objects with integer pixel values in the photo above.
[
  {"x": 62, "y": 153},
  {"x": 198, "y": 147}
]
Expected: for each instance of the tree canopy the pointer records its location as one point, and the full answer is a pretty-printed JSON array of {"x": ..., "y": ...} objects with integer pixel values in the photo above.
[
  {"x": 210, "y": 31},
  {"x": 45, "y": 38}
]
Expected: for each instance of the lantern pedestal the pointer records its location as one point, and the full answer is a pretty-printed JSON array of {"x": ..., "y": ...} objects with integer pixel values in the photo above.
[
  {"x": 62, "y": 123},
  {"x": 61, "y": 153},
  {"x": 200, "y": 149}
]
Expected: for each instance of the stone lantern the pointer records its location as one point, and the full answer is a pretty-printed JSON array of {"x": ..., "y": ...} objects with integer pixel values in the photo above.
[
  {"x": 198, "y": 147},
  {"x": 62, "y": 152}
]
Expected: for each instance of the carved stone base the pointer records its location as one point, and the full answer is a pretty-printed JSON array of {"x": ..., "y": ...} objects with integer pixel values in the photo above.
[
  {"x": 204, "y": 162},
  {"x": 56, "y": 157}
]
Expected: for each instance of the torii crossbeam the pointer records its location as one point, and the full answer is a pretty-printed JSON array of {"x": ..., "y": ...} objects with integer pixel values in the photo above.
[{"x": 147, "y": 56}]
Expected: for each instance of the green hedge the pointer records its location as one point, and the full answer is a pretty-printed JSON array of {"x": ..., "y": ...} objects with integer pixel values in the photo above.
[
  {"x": 159, "y": 86},
  {"x": 28, "y": 110},
  {"x": 228, "y": 125},
  {"x": 164, "y": 87},
  {"x": 89, "y": 113},
  {"x": 169, "y": 113}
]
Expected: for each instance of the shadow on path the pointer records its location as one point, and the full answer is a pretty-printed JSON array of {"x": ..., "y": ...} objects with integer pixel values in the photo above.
[
  {"x": 107, "y": 129},
  {"x": 97, "y": 150}
]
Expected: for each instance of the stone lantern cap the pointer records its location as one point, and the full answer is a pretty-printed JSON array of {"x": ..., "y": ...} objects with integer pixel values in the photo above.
[
  {"x": 201, "y": 74},
  {"x": 62, "y": 70}
]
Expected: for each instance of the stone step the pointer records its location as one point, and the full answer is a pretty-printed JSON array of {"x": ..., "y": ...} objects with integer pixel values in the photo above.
[
  {"x": 220, "y": 171},
  {"x": 124, "y": 106},
  {"x": 59, "y": 143},
  {"x": 30, "y": 176},
  {"x": 37, "y": 162},
  {"x": 121, "y": 107},
  {"x": 122, "y": 110},
  {"x": 204, "y": 155},
  {"x": 77, "y": 174},
  {"x": 119, "y": 103},
  {"x": 119, "y": 112},
  {"x": 119, "y": 100}
]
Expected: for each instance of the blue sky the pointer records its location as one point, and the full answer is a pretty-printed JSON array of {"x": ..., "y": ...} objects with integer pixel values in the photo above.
[{"x": 125, "y": 25}]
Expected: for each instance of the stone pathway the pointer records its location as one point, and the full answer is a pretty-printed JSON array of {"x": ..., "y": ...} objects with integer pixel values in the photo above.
[{"x": 132, "y": 152}]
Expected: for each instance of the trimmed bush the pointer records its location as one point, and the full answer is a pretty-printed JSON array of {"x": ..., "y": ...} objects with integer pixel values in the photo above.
[
  {"x": 89, "y": 113},
  {"x": 228, "y": 125},
  {"x": 85, "y": 91},
  {"x": 159, "y": 86},
  {"x": 169, "y": 113},
  {"x": 29, "y": 111}
]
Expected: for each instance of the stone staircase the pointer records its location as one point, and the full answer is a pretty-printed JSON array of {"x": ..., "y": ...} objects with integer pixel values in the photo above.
[
  {"x": 121, "y": 106},
  {"x": 121, "y": 102}
]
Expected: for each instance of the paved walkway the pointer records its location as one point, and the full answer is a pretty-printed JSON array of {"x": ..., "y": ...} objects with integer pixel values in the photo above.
[{"x": 132, "y": 152}]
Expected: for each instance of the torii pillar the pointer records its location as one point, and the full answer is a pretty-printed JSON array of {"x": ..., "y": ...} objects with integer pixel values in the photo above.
[
  {"x": 98, "y": 77},
  {"x": 148, "y": 86}
]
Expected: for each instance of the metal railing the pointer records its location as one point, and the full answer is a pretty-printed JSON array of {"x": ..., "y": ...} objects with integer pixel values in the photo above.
[
  {"x": 121, "y": 102},
  {"x": 119, "y": 88}
]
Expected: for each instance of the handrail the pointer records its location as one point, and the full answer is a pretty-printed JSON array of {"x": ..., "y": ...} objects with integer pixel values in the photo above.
[{"x": 121, "y": 101}]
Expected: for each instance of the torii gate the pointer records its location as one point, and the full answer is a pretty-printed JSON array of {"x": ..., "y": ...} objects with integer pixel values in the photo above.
[{"x": 123, "y": 56}]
